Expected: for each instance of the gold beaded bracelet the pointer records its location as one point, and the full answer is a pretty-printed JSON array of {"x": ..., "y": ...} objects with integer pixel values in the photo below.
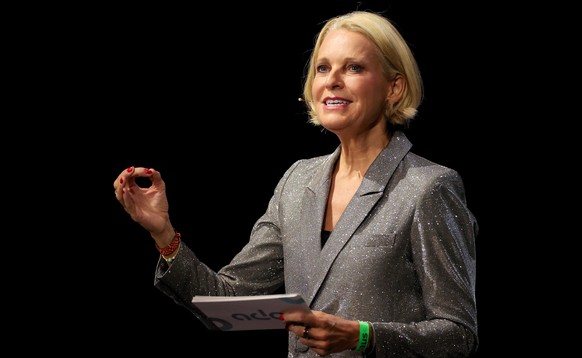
[{"x": 169, "y": 260}]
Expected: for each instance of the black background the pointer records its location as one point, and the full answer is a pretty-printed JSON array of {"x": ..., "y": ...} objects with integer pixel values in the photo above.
[{"x": 208, "y": 94}]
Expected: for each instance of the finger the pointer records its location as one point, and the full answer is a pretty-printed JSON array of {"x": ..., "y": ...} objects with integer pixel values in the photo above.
[
  {"x": 125, "y": 180},
  {"x": 299, "y": 317},
  {"x": 131, "y": 174},
  {"x": 119, "y": 183},
  {"x": 306, "y": 332},
  {"x": 141, "y": 172},
  {"x": 296, "y": 328},
  {"x": 155, "y": 177}
]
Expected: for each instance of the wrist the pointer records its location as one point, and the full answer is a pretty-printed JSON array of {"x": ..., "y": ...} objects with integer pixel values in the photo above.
[
  {"x": 170, "y": 258},
  {"x": 364, "y": 337},
  {"x": 165, "y": 237},
  {"x": 171, "y": 250}
]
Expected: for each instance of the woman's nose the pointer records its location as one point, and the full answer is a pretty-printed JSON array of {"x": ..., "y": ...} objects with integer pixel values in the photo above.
[{"x": 334, "y": 79}]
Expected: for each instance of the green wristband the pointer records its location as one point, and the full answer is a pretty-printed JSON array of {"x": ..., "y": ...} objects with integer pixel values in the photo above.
[{"x": 364, "y": 336}]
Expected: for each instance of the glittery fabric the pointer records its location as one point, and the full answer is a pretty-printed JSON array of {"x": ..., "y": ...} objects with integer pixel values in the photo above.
[{"x": 402, "y": 256}]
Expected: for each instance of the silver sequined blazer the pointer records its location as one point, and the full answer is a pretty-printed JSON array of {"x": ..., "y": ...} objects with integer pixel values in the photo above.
[{"x": 402, "y": 256}]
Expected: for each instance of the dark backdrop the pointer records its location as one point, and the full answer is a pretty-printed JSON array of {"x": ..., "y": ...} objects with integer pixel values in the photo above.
[{"x": 208, "y": 94}]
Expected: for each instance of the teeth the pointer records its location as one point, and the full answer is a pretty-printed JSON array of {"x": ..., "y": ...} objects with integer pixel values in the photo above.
[{"x": 336, "y": 102}]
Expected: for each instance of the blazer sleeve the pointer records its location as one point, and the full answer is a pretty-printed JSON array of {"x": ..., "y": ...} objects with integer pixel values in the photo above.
[
  {"x": 256, "y": 270},
  {"x": 442, "y": 247}
]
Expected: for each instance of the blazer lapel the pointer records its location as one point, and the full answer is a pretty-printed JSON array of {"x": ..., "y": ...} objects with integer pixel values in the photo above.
[
  {"x": 370, "y": 191},
  {"x": 312, "y": 214}
]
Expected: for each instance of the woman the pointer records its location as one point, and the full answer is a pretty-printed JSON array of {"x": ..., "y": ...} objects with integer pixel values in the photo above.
[{"x": 379, "y": 241}]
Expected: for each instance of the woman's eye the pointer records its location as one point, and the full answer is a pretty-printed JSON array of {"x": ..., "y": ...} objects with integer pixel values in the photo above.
[
  {"x": 355, "y": 68},
  {"x": 322, "y": 68}
]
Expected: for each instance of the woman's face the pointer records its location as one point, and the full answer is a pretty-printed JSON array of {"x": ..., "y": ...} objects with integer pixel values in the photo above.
[{"x": 349, "y": 89}]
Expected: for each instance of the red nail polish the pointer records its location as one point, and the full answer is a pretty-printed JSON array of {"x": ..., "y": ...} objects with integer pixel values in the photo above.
[
  {"x": 148, "y": 171},
  {"x": 121, "y": 180},
  {"x": 281, "y": 318},
  {"x": 130, "y": 169}
]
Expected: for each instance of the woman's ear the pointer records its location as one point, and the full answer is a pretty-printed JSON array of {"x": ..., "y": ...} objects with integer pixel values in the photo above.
[{"x": 396, "y": 90}]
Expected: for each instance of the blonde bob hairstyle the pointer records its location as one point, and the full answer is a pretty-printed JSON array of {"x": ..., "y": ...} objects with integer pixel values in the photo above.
[{"x": 395, "y": 56}]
